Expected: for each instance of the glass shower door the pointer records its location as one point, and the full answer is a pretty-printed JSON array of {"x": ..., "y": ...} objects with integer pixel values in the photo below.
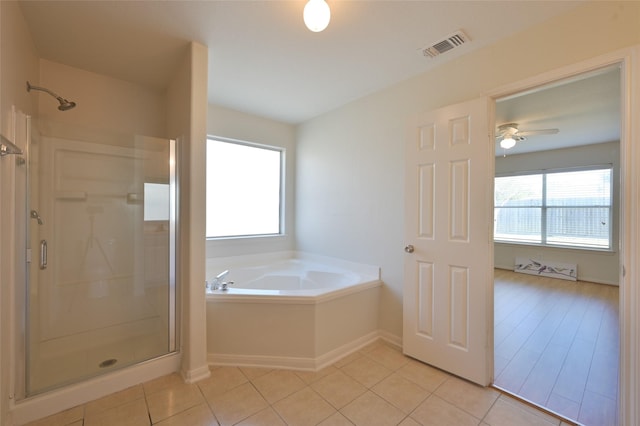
[{"x": 102, "y": 274}]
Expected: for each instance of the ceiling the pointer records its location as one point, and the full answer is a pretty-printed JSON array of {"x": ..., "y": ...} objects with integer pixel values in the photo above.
[
  {"x": 585, "y": 110},
  {"x": 262, "y": 59}
]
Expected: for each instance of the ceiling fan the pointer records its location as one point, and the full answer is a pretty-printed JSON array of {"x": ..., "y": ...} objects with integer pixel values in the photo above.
[{"x": 509, "y": 134}]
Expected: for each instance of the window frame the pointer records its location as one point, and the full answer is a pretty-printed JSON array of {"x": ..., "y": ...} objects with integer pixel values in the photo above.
[
  {"x": 281, "y": 194},
  {"x": 544, "y": 206}
]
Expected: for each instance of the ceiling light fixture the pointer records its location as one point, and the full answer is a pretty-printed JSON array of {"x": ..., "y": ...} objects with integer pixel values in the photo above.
[
  {"x": 316, "y": 15},
  {"x": 508, "y": 142}
]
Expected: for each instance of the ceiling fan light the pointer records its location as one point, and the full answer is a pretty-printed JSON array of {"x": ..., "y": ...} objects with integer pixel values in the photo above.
[
  {"x": 316, "y": 15},
  {"x": 508, "y": 142}
]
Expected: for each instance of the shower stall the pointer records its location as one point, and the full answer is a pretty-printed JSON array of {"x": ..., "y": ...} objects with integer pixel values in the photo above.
[{"x": 101, "y": 221}]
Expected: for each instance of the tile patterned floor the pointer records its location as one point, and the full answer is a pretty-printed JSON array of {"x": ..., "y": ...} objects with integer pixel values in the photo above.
[{"x": 374, "y": 386}]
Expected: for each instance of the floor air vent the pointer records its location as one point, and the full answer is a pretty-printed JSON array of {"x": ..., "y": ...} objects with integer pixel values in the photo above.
[{"x": 454, "y": 40}]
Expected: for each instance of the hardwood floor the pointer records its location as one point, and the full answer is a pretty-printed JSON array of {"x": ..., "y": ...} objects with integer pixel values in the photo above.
[{"x": 557, "y": 345}]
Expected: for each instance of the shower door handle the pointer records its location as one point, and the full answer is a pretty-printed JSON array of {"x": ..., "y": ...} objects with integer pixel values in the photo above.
[{"x": 43, "y": 254}]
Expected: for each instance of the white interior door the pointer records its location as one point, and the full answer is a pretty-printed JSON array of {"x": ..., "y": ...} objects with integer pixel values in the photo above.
[{"x": 448, "y": 299}]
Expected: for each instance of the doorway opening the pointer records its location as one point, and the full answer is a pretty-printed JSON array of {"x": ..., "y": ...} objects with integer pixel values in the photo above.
[{"x": 556, "y": 341}]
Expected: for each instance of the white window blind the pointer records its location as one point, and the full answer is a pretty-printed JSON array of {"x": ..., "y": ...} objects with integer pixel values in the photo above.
[{"x": 557, "y": 208}]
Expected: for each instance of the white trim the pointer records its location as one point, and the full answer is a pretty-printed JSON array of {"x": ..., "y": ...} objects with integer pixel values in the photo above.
[
  {"x": 612, "y": 58},
  {"x": 302, "y": 363},
  {"x": 629, "y": 412},
  {"x": 630, "y": 246},
  {"x": 192, "y": 376},
  {"x": 335, "y": 355},
  {"x": 263, "y": 361},
  {"x": 53, "y": 402},
  {"x": 390, "y": 338}
]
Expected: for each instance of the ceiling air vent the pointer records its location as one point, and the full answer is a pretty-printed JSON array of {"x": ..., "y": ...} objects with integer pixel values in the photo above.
[{"x": 454, "y": 40}]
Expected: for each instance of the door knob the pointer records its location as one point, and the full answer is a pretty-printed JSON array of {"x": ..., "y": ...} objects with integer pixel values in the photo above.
[{"x": 409, "y": 248}]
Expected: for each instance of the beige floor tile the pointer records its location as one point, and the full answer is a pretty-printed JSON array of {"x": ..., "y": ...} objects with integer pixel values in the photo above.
[
  {"x": 347, "y": 359},
  {"x": 408, "y": 421},
  {"x": 130, "y": 414},
  {"x": 338, "y": 388},
  {"x": 254, "y": 372},
  {"x": 508, "y": 412},
  {"x": 435, "y": 411},
  {"x": 372, "y": 346},
  {"x": 162, "y": 383},
  {"x": 221, "y": 380},
  {"x": 238, "y": 404},
  {"x": 337, "y": 419},
  {"x": 304, "y": 407},
  {"x": 173, "y": 400},
  {"x": 400, "y": 398},
  {"x": 371, "y": 410},
  {"x": 390, "y": 357},
  {"x": 401, "y": 392},
  {"x": 113, "y": 400},
  {"x": 62, "y": 418},
  {"x": 278, "y": 384},
  {"x": 423, "y": 375},
  {"x": 200, "y": 415},
  {"x": 311, "y": 376},
  {"x": 266, "y": 417},
  {"x": 472, "y": 398},
  {"x": 366, "y": 371}
]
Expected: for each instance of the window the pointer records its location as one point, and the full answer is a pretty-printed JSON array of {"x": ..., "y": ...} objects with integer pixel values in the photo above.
[
  {"x": 243, "y": 189},
  {"x": 555, "y": 207}
]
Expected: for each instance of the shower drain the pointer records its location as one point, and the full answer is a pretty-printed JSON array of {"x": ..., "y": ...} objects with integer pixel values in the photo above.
[{"x": 107, "y": 363}]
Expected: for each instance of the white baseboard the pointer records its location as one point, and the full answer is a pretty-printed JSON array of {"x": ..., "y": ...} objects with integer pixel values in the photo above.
[
  {"x": 597, "y": 280},
  {"x": 331, "y": 357},
  {"x": 195, "y": 375},
  {"x": 391, "y": 338},
  {"x": 291, "y": 363},
  {"x": 299, "y": 363}
]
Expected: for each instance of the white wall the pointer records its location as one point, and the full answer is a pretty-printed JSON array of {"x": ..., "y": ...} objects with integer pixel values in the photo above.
[
  {"x": 594, "y": 266},
  {"x": 108, "y": 109},
  {"x": 350, "y": 165},
  {"x": 227, "y": 123}
]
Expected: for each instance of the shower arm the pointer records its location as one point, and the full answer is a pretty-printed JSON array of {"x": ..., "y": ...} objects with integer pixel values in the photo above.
[
  {"x": 64, "y": 103},
  {"x": 30, "y": 87}
]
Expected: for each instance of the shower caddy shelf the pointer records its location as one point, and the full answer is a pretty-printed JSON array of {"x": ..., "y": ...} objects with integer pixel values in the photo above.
[{"x": 7, "y": 147}]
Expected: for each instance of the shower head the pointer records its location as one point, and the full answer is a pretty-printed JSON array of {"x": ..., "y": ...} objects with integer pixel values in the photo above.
[{"x": 64, "y": 103}]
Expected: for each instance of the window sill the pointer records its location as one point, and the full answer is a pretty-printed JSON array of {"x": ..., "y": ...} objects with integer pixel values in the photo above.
[
  {"x": 246, "y": 237},
  {"x": 554, "y": 247}
]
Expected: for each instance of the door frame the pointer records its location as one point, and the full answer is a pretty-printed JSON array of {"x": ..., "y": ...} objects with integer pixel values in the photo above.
[{"x": 629, "y": 215}]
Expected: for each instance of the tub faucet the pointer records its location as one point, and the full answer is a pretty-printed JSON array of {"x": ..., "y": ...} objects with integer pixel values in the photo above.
[{"x": 218, "y": 282}]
